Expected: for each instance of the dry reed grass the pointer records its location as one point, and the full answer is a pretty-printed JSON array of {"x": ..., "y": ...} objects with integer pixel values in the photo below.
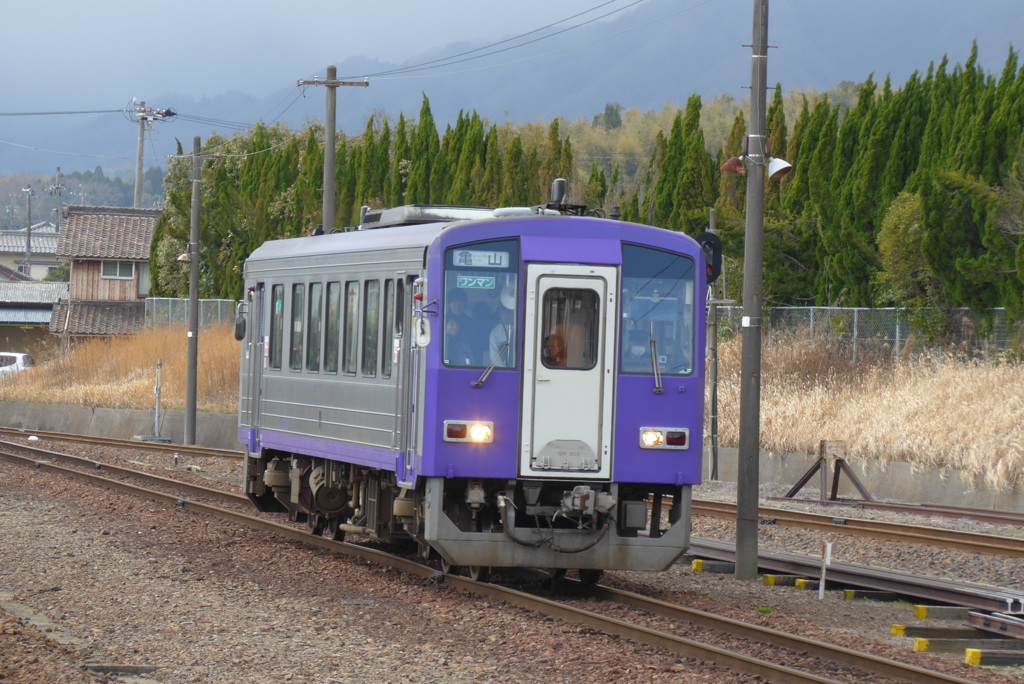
[
  {"x": 120, "y": 372},
  {"x": 931, "y": 411}
]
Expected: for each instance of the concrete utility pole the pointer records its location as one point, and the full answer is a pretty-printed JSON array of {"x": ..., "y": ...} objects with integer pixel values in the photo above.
[
  {"x": 27, "y": 267},
  {"x": 747, "y": 475},
  {"x": 146, "y": 118},
  {"x": 193, "y": 301},
  {"x": 57, "y": 190},
  {"x": 330, "y": 129}
]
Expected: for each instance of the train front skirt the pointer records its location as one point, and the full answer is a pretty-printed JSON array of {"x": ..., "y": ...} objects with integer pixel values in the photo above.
[{"x": 508, "y": 545}]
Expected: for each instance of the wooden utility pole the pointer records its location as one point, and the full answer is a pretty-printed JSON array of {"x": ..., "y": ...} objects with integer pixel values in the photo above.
[{"x": 330, "y": 129}]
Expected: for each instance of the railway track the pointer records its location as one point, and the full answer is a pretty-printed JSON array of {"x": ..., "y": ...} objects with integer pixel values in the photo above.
[
  {"x": 832, "y": 661},
  {"x": 120, "y": 443},
  {"x": 959, "y": 540}
]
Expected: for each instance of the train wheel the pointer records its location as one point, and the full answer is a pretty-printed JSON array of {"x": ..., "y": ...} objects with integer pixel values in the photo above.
[
  {"x": 316, "y": 524},
  {"x": 479, "y": 573},
  {"x": 297, "y": 516},
  {"x": 333, "y": 530},
  {"x": 589, "y": 576},
  {"x": 449, "y": 569}
]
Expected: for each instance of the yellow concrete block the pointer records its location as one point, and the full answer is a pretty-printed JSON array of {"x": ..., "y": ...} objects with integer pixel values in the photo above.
[
  {"x": 898, "y": 630},
  {"x": 972, "y": 656}
]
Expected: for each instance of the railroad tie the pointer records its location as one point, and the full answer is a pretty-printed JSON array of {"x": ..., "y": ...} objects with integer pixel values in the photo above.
[
  {"x": 982, "y": 658},
  {"x": 954, "y": 645},
  {"x": 941, "y": 612}
]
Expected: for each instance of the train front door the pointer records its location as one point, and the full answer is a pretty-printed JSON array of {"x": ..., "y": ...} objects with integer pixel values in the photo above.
[
  {"x": 256, "y": 363},
  {"x": 569, "y": 334}
]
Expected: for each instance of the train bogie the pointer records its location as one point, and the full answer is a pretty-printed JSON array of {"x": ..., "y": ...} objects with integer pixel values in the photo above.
[{"x": 503, "y": 390}]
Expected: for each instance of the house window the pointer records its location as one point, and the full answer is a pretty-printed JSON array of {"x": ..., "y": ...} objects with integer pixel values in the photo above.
[{"x": 118, "y": 270}]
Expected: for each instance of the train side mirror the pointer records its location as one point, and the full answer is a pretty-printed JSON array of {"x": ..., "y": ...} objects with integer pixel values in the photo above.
[
  {"x": 422, "y": 331},
  {"x": 711, "y": 245},
  {"x": 240, "y": 327}
]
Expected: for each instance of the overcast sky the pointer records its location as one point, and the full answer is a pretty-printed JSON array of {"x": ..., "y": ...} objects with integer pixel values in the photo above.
[
  {"x": 75, "y": 55},
  {"x": 101, "y": 53}
]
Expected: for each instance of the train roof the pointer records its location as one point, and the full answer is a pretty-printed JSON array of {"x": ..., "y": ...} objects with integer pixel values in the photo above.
[
  {"x": 411, "y": 229},
  {"x": 411, "y": 226}
]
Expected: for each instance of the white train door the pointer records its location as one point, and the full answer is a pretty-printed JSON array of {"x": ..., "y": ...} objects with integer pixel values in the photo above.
[{"x": 568, "y": 362}]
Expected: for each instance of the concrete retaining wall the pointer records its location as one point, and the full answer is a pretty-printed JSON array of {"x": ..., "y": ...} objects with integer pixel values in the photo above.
[
  {"x": 884, "y": 481},
  {"x": 214, "y": 430},
  {"x": 892, "y": 481}
]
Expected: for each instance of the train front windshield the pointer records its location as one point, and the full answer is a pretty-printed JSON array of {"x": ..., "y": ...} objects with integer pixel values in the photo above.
[
  {"x": 657, "y": 312},
  {"x": 480, "y": 298}
]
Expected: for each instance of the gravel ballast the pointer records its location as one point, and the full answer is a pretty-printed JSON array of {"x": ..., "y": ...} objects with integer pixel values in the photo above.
[{"x": 141, "y": 583}]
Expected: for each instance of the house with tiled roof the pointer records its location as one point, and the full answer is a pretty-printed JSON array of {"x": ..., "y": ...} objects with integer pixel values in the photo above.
[
  {"x": 30, "y": 252},
  {"x": 108, "y": 248},
  {"x": 25, "y": 311}
]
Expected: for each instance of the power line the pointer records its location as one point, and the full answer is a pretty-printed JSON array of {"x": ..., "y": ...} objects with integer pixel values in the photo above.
[
  {"x": 84, "y": 111},
  {"x": 448, "y": 61}
]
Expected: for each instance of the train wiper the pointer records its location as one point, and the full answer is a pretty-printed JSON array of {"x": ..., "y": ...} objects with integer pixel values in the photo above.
[
  {"x": 655, "y": 368},
  {"x": 494, "y": 362}
]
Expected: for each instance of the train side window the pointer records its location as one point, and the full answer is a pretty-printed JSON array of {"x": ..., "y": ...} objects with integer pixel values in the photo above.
[
  {"x": 386, "y": 323},
  {"x": 571, "y": 327},
  {"x": 298, "y": 307},
  {"x": 332, "y": 329},
  {"x": 276, "y": 325},
  {"x": 313, "y": 329},
  {"x": 371, "y": 327},
  {"x": 350, "y": 343},
  {"x": 399, "y": 306},
  {"x": 657, "y": 311}
]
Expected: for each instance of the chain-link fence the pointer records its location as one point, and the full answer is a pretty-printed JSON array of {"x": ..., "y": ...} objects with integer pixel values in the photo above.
[
  {"x": 173, "y": 311},
  {"x": 889, "y": 331}
]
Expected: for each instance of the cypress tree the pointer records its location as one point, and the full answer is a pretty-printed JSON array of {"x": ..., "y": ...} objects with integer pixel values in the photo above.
[{"x": 423, "y": 151}]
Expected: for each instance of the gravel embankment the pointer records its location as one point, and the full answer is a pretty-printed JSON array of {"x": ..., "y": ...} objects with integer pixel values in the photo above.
[{"x": 207, "y": 601}]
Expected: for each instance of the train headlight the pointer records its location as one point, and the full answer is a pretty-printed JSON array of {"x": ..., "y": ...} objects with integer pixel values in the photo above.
[
  {"x": 473, "y": 431},
  {"x": 664, "y": 438}
]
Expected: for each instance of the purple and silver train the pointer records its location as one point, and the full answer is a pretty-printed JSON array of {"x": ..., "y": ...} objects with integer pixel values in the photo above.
[{"x": 505, "y": 388}]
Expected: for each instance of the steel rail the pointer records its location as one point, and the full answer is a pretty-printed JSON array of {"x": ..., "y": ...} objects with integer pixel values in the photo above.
[
  {"x": 122, "y": 443},
  {"x": 677, "y": 645},
  {"x": 863, "y": 661},
  {"x": 991, "y": 516},
  {"x": 39, "y": 454},
  {"x": 975, "y": 596},
  {"x": 959, "y": 540}
]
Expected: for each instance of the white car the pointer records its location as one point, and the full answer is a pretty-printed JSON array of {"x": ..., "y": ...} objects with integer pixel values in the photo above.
[{"x": 14, "y": 362}]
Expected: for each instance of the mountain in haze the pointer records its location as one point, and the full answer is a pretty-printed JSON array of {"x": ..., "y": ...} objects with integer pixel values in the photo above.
[{"x": 655, "y": 54}]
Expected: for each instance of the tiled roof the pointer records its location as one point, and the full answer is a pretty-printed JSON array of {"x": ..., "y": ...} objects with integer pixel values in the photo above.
[
  {"x": 9, "y": 274},
  {"x": 33, "y": 293},
  {"x": 13, "y": 242},
  {"x": 19, "y": 315},
  {"x": 97, "y": 318},
  {"x": 107, "y": 233}
]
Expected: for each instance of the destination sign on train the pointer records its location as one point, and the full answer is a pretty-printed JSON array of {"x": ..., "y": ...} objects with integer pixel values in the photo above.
[{"x": 481, "y": 259}]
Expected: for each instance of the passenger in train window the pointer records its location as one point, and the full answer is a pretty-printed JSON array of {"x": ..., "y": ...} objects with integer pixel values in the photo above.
[
  {"x": 554, "y": 351},
  {"x": 456, "y": 306},
  {"x": 456, "y": 351},
  {"x": 478, "y": 336},
  {"x": 636, "y": 353},
  {"x": 503, "y": 336}
]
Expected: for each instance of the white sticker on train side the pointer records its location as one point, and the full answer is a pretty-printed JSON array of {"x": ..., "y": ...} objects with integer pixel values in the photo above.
[{"x": 475, "y": 282}]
